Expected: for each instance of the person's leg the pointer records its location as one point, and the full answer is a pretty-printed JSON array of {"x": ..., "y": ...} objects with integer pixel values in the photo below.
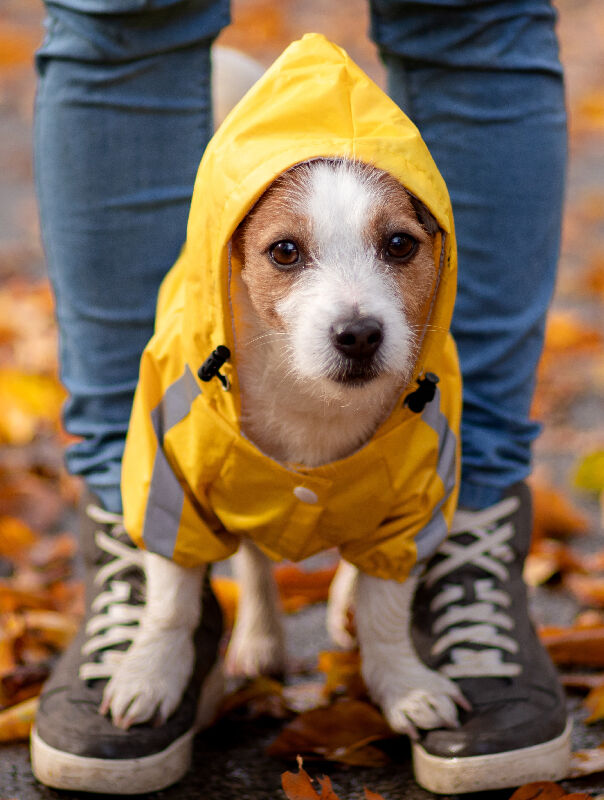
[
  {"x": 123, "y": 114},
  {"x": 482, "y": 81}
]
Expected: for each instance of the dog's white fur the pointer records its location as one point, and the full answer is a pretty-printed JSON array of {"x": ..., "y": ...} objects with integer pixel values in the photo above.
[{"x": 296, "y": 410}]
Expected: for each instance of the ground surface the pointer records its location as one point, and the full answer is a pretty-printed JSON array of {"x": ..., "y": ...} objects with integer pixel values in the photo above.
[{"x": 229, "y": 760}]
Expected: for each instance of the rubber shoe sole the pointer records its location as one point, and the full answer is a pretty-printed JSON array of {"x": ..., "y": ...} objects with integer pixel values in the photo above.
[
  {"x": 547, "y": 761},
  {"x": 61, "y": 770}
]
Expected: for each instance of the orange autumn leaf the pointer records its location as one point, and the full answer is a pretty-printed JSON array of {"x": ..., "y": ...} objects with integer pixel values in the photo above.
[
  {"x": 566, "y": 332},
  {"x": 16, "y": 721},
  {"x": 369, "y": 795},
  {"x": 342, "y": 671},
  {"x": 554, "y": 515},
  {"x": 539, "y": 790},
  {"x": 15, "y": 536},
  {"x": 581, "y": 646},
  {"x": 586, "y": 762},
  {"x": 298, "y": 786},
  {"x": 17, "y": 44},
  {"x": 594, "y": 702},
  {"x": 298, "y": 588}
]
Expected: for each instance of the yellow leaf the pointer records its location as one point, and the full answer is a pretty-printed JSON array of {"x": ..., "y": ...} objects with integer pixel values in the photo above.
[
  {"x": 16, "y": 721},
  {"x": 27, "y": 401},
  {"x": 594, "y": 702},
  {"x": 15, "y": 536},
  {"x": 589, "y": 473}
]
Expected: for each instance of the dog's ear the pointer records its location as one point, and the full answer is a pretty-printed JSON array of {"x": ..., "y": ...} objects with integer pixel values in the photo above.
[{"x": 424, "y": 216}]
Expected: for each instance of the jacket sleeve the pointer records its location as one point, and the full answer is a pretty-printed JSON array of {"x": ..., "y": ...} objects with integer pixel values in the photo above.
[{"x": 161, "y": 512}]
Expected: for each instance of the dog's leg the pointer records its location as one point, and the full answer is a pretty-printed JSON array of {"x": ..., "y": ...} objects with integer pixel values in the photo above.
[
  {"x": 410, "y": 694},
  {"x": 257, "y": 644},
  {"x": 153, "y": 674},
  {"x": 340, "y": 604}
]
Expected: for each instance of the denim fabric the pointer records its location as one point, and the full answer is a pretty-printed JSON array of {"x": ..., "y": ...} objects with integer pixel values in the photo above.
[
  {"x": 482, "y": 81},
  {"x": 123, "y": 116}
]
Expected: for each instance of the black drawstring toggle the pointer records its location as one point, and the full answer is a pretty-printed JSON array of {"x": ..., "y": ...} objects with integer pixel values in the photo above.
[
  {"x": 424, "y": 394},
  {"x": 211, "y": 366}
]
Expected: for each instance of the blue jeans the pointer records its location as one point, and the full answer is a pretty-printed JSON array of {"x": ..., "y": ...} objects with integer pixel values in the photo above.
[{"x": 122, "y": 118}]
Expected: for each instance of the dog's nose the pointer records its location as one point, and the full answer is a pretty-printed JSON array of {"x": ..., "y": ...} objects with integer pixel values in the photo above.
[{"x": 357, "y": 338}]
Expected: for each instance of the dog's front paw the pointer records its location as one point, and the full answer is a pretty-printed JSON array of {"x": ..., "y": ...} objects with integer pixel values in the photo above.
[
  {"x": 150, "y": 679},
  {"x": 252, "y": 652},
  {"x": 432, "y": 707}
]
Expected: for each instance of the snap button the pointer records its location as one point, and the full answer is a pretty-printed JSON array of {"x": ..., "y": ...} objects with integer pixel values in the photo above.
[{"x": 305, "y": 495}]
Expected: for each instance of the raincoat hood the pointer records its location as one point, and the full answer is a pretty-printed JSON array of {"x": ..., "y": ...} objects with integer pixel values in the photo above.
[{"x": 313, "y": 102}]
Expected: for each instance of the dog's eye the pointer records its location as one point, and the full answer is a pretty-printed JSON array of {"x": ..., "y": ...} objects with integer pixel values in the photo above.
[
  {"x": 401, "y": 246},
  {"x": 285, "y": 253}
]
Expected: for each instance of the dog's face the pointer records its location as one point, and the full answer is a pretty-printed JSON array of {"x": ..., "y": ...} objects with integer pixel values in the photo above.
[{"x": 338, "y": 258}]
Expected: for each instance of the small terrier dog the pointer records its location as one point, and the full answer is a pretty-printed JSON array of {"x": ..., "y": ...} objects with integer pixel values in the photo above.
[{"x": 333, "y": 300}]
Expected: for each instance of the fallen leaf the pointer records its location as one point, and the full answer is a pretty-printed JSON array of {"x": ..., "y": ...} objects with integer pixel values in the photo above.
[
  {"x": 539, "y": 790},
  {"x": 263, "y": 695},
  {"x": 566, "y": 332},
  {"x": 342, "y": 671},
  {"x": 594, "y": 702},
  {"x": 299, "y": 588},
  {"x": 342, "y": 731},
  {"x": 589, "y": 473},
  {"x": 15, "y": 536},
  {"x": 554, "y": 516},
  {"x": 298, "y": 786},
  {"x": 580, "y": 646},
  {"x": 586, "y": 762},
  {"x": 16, "y": 721},
  {"x": 27, "y": 402}
]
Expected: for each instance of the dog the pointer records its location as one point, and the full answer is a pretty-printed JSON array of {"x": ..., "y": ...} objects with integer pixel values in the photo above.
[{"x": 333, "y": 300}]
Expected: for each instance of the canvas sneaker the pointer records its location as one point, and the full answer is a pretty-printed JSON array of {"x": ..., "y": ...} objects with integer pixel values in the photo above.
[
  {"x": 470, "y": 622},
  {"x": 75, "y": 747}
]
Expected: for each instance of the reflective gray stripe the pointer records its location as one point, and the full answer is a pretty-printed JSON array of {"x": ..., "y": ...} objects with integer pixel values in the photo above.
[
  {"x": 166, "y": 496},
  {"x": 432, "y": 535}
]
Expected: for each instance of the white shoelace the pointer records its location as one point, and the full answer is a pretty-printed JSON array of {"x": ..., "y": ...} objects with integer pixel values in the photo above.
[
  {"x": 479, "y": 622},
  {"x": 114, "y": 616}
]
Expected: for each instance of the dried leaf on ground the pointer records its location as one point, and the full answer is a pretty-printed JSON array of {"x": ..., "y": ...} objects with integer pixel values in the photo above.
[
  {"x": 555, "y": 516},
  {"x": 28, "y": 403},
  {"x": 16, "y": 721},
  {"x": 580, "y": 646},
  {"x": 342, "y": 670},
  {"x": 594, "y": 702},
  {"x": 587, "y": 762},
  {"x": 299, "y": 588},
  {"x": 298, "y": 786},
  {"x": 261, "y": 697},
  {"x": 566, "y": 332},
  {"x": 343, "y": 731},
  {"x": 589, "y": 473},
  {"x": 545, "y": 790}
]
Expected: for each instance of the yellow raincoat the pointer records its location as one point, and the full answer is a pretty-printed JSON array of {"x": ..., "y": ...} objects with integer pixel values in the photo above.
[{"x": 192, "y": 484}]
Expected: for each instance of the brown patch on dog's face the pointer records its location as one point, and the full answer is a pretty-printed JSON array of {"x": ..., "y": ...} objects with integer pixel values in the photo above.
[{"x": 275, "y": 218}]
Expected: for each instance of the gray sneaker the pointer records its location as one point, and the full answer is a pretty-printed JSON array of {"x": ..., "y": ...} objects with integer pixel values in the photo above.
[
  {"x": 470, "y": 622},
  {"x": 72, "y": 745}
]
